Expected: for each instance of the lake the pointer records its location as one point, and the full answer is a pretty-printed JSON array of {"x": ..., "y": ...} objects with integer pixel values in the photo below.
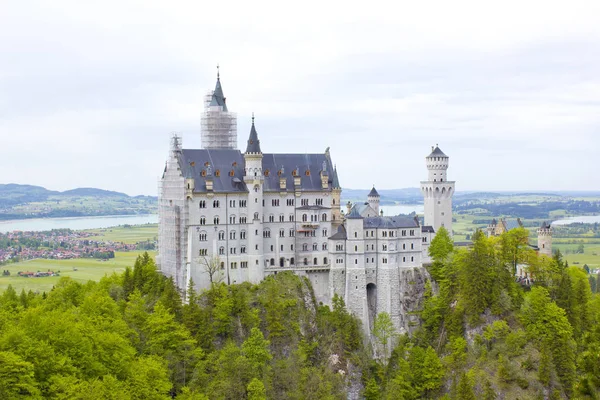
[
  {"x": 76, "y": 223},
  {"x": 585, "y": 219}
]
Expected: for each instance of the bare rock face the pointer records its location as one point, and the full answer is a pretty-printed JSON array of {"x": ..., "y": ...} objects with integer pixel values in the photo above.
[{"x": 412, "y": 288}]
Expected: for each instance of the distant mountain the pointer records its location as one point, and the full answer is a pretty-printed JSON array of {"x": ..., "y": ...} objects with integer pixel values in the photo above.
[
  {"x": 28, "y": 201},
  {"x": 387, "y": 195},
  {"x": 93, "y": 192}
]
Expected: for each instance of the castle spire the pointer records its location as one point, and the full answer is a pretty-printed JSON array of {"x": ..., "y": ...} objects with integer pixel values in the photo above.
[
  {"x": 253, "y": 142},
  {"x": 218, "y": 98}
]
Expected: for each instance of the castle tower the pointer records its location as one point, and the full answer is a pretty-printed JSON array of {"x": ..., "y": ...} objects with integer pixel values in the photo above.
[
  {"x": 373, "y": 200},
  {"x": 218, "y": 126},
  {"x": 336, "y": 199},
  {"x": 254, "y": 179},
  {"x": 438, "y": 191},
  {"x": 356, "y": 277},
  {"x": 545, "y": 239}
]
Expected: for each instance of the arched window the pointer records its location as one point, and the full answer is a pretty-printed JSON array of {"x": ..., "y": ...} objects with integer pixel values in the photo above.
[
  {"x": 256, "y": 216},
  {"x": 242, "y": 234},
  {"x": 203, "y": 220},
  {"x": 324, "y": 217},
  {"x": 292, "y": 261},
  {"x": 232, "y": 235},
  {"x": 281, "y": 261},
  {"x": 216, "y": 220},
  {"x": 305, "y": 261},
  {"x": 305, "y": 247},
  {"x": 221, "y": 250},
  {"x": 304, "y": 218},
  {"x": 324, "y": 260},
  {"x": 324, "y": 246},
  {"x": 315, "y": 261},
  {"x": 272, "y": 262},
  {"x": 221, "y": 235},
  {"x": 216, "y": 203},
  {"x": 315, "y": 246},
  {"x": 203, "y": 236}
]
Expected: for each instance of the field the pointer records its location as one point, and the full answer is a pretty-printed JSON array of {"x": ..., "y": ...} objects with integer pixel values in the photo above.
[
  {"x": 127, "y": 234},
  {"x": 80, "y": 269}
]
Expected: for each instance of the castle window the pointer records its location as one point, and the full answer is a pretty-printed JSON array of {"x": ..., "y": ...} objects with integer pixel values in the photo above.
[
  {"x": 281, "y": 233},
  {"x": 403, "y": 246},
  {"x": 315, "y": 246},
  {"x": 232, "y": 235},
  {"x": 356, "y": 262},
  {"x": 324, "y": 217},
  {"x": 291, "y": 247},
  {"x": 290, "y": 202},
  {"x": 217, "y": 173},
  {"x": 304, "y": 202},
  {"x": 304, "y": 218},
  {"x": 231, "y": 173},
  {"x": 272, "y": 262},
  {"x": 307, "y": 173},
  {"x": 412, "y": 246},
  {"x": 221, "y": 250},
  {"x": 384, "y": 248},
  {"x": 281, "y": 218},
  {"x": 275, "y": 202},
  {"x": 221, "y": 235},
  {"x": 202, "y": 204},
  {"x": 305, "y": 261},
  {"x": 412, "y": 233},
  {"x": 202, "y": 252},
  {"x": 315, "y": 262},
  {"x": 292, "y": 233},
  {"x": 243, "y": 220},
  {"x": 266, "y": 233},
  {"x": 256, "y": 216},
  {"x": 305, "y": 247},
  {"x": 242, "y": 203},
  {"x": 216, "y": 204},
  {"x": 384, "y": 260},
  {"x": 319, "y": 202},
  {"x": 324, "y": 246},
  {"x": 244, "y": 264},
  {"x": 403, "y": 259},
  {"x": 203, "y": 220},
  {"x": 403, "y": 233},
  {"x": 355, "y": 234},
  {"x": 291, "y": 217},
  {"x": 232, "y": 219},
  {"x": 232, "y": 250},
  {"x": 324, "y": 232},
  {"x": 222, "y": 265},
  {"x": 355, "y": 248},
  {"x": 232, "y": 203},
  {"x": 292, "y": 261},
  {"x": 271, "y": 218},
  {"x": 203, "y": 236},
  {"x": 243, "y": 251},
  {"x": 412, "y": 259},
  {"x": 233, "y": 265},
  {"x": 266, "y": 172},
  {"x": 216, "y": 220}
]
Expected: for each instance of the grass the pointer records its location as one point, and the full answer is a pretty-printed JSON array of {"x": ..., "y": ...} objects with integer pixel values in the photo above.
[
  {"x": 87, "y": 269},
  {"x": 126, "y": 234}
]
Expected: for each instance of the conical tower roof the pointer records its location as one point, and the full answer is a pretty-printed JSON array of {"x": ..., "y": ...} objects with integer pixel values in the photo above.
[
  {"x": 218, "y": 98},
  {"x": 373, "y": 192},
  {"x": 437, "y": 152},
  {"x": 253, "y": 142}
]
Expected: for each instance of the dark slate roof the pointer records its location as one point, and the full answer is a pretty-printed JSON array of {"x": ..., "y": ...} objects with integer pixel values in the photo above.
[
  {"x": 340, "y": 234},
  {"x": 427, "y": 228},
  {"x": 494, "y": 222},
  {"x": 193, "y": 162},
  {"x": 437, "y": 153},
  {"x": 218, "y": 99},
  {"x": 354, "y": 214},
  {"x": 361, "y": 208},
  {"x": 290, "y": 162},
  {"x": 373, "y": 192},
  {"x": 512, "y": 224},
  {"x": 253, "y": 142},
  {"x": 545, "y": 225},
  {"x": 398, "y": 221},
  {"x": 336, "y": 182}
]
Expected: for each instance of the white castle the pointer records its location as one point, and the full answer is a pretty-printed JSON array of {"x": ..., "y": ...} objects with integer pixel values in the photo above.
[{"x": 232, "y": 216}]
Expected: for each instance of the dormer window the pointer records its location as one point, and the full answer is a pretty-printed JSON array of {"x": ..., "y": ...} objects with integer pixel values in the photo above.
[{"x": 217, "y": 173}]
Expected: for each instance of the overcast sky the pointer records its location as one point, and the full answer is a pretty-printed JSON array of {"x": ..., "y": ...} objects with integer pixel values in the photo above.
[{"x": 90, "y": 91}]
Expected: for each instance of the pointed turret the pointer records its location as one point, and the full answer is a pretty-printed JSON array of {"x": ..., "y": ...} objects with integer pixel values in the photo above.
[
  {"x": 218, "y": 98},
  {"x": 373, "y": 199},
  {"x": 373, "y": 192},
  {"x": 336, "y": 181},
  {"x": 253, "y": 142}
]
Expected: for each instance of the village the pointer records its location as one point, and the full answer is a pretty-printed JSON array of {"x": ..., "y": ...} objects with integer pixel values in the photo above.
[{"x": 58, "y": 244}]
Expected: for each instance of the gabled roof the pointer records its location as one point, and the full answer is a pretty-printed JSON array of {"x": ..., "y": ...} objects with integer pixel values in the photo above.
[
  {"x": 373, "y": 192},
  {"x": 253, "y": 142},
  {"x": 436, "y": 152},
  {"x": 194, "y": 161},
  {"x": 427, "y": 228},
  {"x": 364, "y": 210},
  {"x": 308, "y": 168},
  {"x": 354, "y": 214}
]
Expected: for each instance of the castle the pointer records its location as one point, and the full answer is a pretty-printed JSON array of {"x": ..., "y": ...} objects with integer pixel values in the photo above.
[{"x": 233, "y": 216}]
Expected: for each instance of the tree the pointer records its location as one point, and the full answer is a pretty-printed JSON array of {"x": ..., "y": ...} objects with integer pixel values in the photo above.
[
  {"x": 384, "y": 331},
  {"x": 16, "y": 377},
  {"x": 441, "y": 246},
  {"x": 256, "y": 390},
  {"x": 372, "y": 390},
  {"x": 464, "y": 390},
  {"x": 212, "y": 266}
]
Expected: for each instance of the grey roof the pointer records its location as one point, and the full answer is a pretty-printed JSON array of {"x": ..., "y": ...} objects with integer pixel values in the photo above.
[
  {"x": 253, "y": 142},
  {"x": 398, "y": 221},
  {"x": 340, "y": 234},
  {"x": 545, "y": 225},
  {"x": 218, "y": 99},
  {"x": 354, "y": 214},
  {"x": 373, "y": 192},
  {"x": 427, "y": 228},
  {"x": 336, "y": 182},
  {"x": 363, "y": 208},
  {"x": 437, "y": 153},
  {"x": 512, "y": 224},
  {"x": 301, "y": 163},
  {"x": 494, "y": 222},
  {"x": 194, "y": 161},
  {"x": 223, "y": 161}
]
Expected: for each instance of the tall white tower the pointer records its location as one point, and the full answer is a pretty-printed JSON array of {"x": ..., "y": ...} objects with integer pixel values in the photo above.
[
  {"x": 218, "y": 126},
  {"x": 373, "y": 200},
  {"x": 438, "y": 191}
]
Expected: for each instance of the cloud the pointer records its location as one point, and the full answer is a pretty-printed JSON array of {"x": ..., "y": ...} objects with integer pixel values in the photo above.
[{"x": 89, "y": 92}]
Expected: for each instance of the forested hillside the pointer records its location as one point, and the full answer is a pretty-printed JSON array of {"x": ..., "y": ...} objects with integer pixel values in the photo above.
[{"x": 483, "y": 336}]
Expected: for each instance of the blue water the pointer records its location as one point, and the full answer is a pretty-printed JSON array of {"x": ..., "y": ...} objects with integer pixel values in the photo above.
[
  {"x": 76, "y": 223},
  {"x": 585, "y": 219}
]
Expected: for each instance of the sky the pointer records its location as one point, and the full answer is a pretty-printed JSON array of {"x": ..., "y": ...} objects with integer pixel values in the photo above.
[{"x": 90, "y": 92}]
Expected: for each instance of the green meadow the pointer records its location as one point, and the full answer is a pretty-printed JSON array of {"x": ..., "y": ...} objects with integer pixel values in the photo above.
[
  {"x": 80, "y": 269},
  {"x": 126, "y": 234}
]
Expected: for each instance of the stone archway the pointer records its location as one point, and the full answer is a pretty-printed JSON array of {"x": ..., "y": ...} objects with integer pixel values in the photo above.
[{"x": 372, "y": 303}]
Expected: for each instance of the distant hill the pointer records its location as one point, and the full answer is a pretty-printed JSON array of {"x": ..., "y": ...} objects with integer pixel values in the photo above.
[{"x": 28, "y": 201}]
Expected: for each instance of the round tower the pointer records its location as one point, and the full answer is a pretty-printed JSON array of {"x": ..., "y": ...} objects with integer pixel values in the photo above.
[
  {"x": 545, "y": 239},
  {"x": 438, "y": 191},
  {"x": 373, "y": 200},
  {"x": 254, "y": 180}
]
